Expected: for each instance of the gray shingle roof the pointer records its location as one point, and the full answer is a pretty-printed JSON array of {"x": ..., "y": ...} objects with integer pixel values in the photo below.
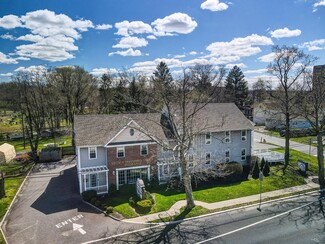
[
  {"x": 99, "y": 129},
  {"x": 214, "y": 117}
]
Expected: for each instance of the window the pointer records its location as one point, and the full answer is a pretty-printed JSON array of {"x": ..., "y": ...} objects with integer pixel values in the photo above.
[
  {"x": 131, "y": 132},
  {"x": 227, "y": 137},
  {"x": 130, "y": 176},
  {"x": 93, "y": 180},
  {"x": 120, "y": 152},
  {"x": 243, "y": 154},
  {"x": 227, "y": 156},
  {"x": 244, "y": 135},
  {"x": 92, "y": 152},
  {"x": 144, "y": 150},
  {"x": 190, "y": 160},
  {"x": 207, "y": 158},
  {"x": 208, "y": 138}
]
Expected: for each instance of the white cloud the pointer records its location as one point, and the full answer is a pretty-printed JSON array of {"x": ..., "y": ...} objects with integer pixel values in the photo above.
[
  {"x": 151, "y": 37},
  {"x": 267, "y": 58},
  {"x": 214, "y": 5},
  {"x": 285, "y": 32},
  {"x": 10, "y": 22},
  {"x": 180, "y": 56},
  {"x": 131, "y": 42},
  {"x": 129, "y": 52},
  {"x": 7, "y": 36},
  {"x": 32, "y": 69},
  {"x": 237, "y": 48},
  {"x": 314, "y": 45},
  {"x": 53, "y": 35},
  {"x": 175, "y": 23},
  {"x": 103, "y": 27},
  {"x": 319, "y": 3},
  {"x": 53, "y": 48},
  {"x": 193, "y": 53},
  {"x": 256, "y": 71},
  {"x": 6, "y": 74},
  {"x": 5, "y": 59},
  {"x": 240, "y": 65},
  {"x": 101, "y": 71},
  {"x": 126, "y": 28}
]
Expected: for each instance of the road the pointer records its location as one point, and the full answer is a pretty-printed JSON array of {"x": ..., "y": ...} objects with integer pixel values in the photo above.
[
  {"x": 258, "y": 137},
  {"x": 49, "y": 209},
  {"x": 274, "y": 224}
]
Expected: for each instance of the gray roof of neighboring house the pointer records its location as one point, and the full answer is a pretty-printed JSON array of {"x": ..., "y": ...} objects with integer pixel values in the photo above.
[
  {"x": 99, "y": 129},
  {"x": 217, "y": 117}
]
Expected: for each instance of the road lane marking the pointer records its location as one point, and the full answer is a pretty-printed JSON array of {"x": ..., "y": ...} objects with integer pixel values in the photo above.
[
  {"x": 256, "y": 223},
  {"x": 78, "y": 228}
]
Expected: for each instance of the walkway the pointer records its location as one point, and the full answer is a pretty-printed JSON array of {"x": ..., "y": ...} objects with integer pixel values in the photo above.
[{"x": 175, "y": 209}]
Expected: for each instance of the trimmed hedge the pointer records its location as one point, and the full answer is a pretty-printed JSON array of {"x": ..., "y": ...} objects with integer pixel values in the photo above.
[
  {"x": 89, "y": 195},
  {"x": 143, "y": 206}
]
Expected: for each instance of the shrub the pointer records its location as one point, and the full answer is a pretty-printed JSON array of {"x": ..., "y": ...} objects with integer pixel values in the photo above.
[
  {"x": 246, "y": 171},
  {"x": 143, "y": 206},
  {"x": 131, "y": 202},
  {"x": 231, "y": 171},
  {"x": 109, "y": 210},
  {"x": 112, "y": 191},
  {"x": 149, "y": 197},
  {"x": 93, "y": 200},
  {"x": 256, "y": 171},
  {"x": 98, "y": 203},
  {"x": 88, "y": 195},
  {"x": 266, "y": 169}
]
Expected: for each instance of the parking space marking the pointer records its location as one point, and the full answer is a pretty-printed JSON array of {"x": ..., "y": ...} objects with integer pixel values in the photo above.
[{"x": 71, "y": 220}]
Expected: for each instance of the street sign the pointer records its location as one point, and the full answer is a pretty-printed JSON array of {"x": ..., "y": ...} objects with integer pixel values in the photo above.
[
  {"x": 78, "y": 228},
  {"x": 261, "y": 176}
]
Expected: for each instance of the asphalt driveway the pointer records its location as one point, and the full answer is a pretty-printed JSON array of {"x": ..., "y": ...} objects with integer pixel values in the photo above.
[{"x": 49, "y": 209}]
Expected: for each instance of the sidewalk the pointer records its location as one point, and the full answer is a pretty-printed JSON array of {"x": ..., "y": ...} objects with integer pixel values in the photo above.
[{"x": 175, "y": 209}]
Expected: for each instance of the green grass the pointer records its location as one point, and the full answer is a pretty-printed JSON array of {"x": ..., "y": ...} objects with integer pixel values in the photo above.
[
  {"x": 296, "y": 155},
  {"x": 165, "y": 199},
  {"x": 19, "y": 144}
]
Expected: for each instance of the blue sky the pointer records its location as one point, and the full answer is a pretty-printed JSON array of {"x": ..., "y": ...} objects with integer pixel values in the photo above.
[{"x": 135, "y": 35}]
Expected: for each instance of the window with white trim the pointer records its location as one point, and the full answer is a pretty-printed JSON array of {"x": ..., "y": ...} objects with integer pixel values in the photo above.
[
  {"x": 190, "y": 160},
  {"x": 120, "y": 152},
  {"x": 244, "y": 135},
  {"x": 227, "y": 154},
  {"x": 243, "y": 154},
  {"x": 92, "y": 151},
  {"x": 207, "y": 158},
  {"x": 144, "y": 150},
  {"x": 208, "y": 138},
  {"x": 227, "y": 137}
]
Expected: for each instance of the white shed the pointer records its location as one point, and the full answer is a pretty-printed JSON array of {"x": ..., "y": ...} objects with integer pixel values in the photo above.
[{"x": 7, "y": 153}]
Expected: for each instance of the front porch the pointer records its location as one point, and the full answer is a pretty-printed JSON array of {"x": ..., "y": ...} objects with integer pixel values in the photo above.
[{"x": 94, "y": 178}]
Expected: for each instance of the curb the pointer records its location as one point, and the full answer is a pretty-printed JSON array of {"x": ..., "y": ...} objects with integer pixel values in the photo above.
[{"x": 12, "y": 202}]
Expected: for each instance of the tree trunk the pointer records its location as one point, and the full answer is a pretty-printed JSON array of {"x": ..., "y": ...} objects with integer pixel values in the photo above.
[
  {"x": 320, "y": 160},
  {"x": 188, "y": 191}
]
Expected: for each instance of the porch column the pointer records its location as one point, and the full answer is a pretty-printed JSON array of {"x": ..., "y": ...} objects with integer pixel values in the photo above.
[
  {"x": 107, "y": 181},
  {"x": 116, "y": 176}
]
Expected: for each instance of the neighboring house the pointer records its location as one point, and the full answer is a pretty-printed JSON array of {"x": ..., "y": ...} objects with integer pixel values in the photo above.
[
  {"x": 7, "y": 153},
  {"x": 264, "y": 111},
  {"x": 118, "y": 149},
  {"x": 278, "y": 123}
]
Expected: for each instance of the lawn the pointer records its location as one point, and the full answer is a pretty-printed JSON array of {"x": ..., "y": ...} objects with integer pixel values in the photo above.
[
  {"x": 296, "y": 155},
  {"x": 19, "y": 144},
  {"x": 213, "y": 193}
]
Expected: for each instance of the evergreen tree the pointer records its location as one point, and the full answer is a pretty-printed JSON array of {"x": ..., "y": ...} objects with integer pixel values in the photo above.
[
  {"x": 256, "y": 171},
  {"x": 266, "y": 169},
  {"x": 236, "y": 87}
]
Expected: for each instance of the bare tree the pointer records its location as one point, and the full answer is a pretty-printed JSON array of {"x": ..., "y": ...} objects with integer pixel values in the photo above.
[
  {"x": 181, "y": 122},
  {"x": 314, "y": 111},
  {"x": 32, "y": 101},
  {"x": 289, "y": 66},
  {"x": 75, "y": 87}
]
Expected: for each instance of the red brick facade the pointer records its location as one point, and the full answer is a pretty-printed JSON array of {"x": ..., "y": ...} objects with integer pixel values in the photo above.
[{"x": 132, "y": 158}]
